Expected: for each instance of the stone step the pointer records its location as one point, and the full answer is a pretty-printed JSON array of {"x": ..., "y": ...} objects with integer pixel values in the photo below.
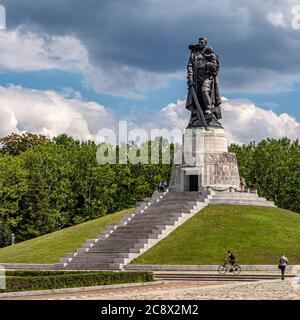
[
  {"x": 114, "y": 250},
  {"x": 136, "y": 237},
  {"x": 180, "y": 200},
  {"x": 169, "y": 208},
  {"x": 140, "y": 232},
  {"x": 141, "y": 227},
  {"x": 161, "y": 219},
  {"x": 87, "y": 256},
  {"x": 236, "y": 197},
  {"x": 166, "y": 210},
  {"x": 25, "y": 266},
  {"x": 168, "y": 198},
  {"x": 160, "y": 211},
  {"x": 104, "y": 260},
  {"x": 84, "y": 246},
  {"x": 121, "y": 241},
  {"x": 157, "y": 217},
  {"x": 114, "y": 247},
  {"x": 92, "y": 266},
  {"x": 134, "y": 234},
  {"x": 233, "y": 193},
  {"x": 70, "y": 255},
  {"x": 105, "y": 255},
  {"x": 154, "y": 223},
  {"x": 242, "y": 202}
]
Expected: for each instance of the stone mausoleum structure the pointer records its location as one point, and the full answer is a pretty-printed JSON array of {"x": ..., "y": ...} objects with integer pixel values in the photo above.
[{"x": 206, "y": 162}]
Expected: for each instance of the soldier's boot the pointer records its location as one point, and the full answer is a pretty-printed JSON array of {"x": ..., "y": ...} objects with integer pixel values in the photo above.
[{"x": 207, "y": 106}]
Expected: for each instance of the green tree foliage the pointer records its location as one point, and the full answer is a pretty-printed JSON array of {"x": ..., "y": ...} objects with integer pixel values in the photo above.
[
  {"x": 13, "y": 187},
  {"x": 14, "y": 144},
  {"x": 273, "y": 168},
  {"x": 48, "y": 185}
]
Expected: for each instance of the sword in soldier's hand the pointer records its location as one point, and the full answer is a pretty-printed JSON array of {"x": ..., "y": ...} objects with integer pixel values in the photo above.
[{"x": 199, "y": 109}]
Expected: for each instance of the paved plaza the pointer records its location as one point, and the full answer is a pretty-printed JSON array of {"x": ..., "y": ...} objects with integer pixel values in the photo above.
[{"x": 186, "y": 290}]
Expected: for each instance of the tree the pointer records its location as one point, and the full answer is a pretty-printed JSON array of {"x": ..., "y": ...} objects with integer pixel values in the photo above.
[
  {"x": 273, "y": 167},
  {"x": 14, "y": 144},
  {"x": 49, "y": 197},
  {"x": 13, "y": 187}
]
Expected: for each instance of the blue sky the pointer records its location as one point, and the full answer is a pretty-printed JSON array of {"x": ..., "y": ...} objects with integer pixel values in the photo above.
[{"x": 130, "y": 57}]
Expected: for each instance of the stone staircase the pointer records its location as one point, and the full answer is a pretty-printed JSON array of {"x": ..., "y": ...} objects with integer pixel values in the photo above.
[
  {"x": 152, "y": 220},
  {"x": 237, "y": 198}
]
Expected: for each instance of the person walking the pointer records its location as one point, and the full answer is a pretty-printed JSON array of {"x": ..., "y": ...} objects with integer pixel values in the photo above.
[
  {"x": 12, "y": 239},
  {"x": 283, "y": 261},
  {"x": 165, "y": 183},
  {"x": 161, "y": 187},
  {"x": 243, "y": 185}
]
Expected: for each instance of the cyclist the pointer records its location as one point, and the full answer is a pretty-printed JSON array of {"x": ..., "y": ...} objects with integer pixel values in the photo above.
[{"x": 231, "y": 259}]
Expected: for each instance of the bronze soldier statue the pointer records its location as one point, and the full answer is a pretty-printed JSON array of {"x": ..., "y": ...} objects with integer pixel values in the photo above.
[{"x": 203, "y": 98}]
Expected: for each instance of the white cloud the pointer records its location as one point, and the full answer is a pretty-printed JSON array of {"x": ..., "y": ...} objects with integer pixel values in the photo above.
[
  {"x": 22, "y": 51},
  {"x": 51, "y": 114},
  {"x": 27, "y": 51},
  {"x": 129, "y": 59},
  {"x": 243, "y": 121},
  {"x": 286, "y": 14},
  {"x": 124, "y": 81},
  {"x": 246, "y": 122}
]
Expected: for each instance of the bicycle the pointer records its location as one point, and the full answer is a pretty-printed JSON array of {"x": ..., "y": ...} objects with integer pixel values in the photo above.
[{"x": 226, "y": 267}]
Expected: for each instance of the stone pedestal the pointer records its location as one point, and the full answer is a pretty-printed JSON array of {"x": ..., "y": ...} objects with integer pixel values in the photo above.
[{"x": 204, "y": 162}]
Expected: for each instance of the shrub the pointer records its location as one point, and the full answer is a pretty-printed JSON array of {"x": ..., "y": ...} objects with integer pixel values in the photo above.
[{"x": 45, "y": 280}]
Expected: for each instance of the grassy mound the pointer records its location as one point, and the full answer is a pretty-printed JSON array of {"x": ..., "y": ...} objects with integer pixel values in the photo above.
[
  {"x": 256, "y": 235},
  {"x": 51, "y": 247}
]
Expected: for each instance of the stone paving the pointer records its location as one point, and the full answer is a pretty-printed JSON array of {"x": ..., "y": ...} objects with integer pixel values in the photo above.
[{"x": 191, "y": 290}]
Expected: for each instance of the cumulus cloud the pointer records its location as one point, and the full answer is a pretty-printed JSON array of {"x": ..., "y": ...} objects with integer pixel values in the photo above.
[
  {"x": 22, "y": 50},
  {"x": 51, "y": 114},
  {"x": 129, "y": 47},
  {"x": 242, "y": 120},
  {"x": 124, "y": 81},
  {"x": 246, "y": 122}
]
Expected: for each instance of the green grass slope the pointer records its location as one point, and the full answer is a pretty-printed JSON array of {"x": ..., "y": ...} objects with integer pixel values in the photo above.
[
  {"x": 49, "y": 248},
  {"x": 256, "y": 235}
]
